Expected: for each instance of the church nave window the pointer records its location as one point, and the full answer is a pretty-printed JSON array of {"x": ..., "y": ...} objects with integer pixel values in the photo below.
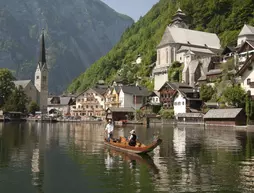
[{"x": 37, "y": 77}]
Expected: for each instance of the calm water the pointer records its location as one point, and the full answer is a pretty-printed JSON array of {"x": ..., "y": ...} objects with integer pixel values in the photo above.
[{"x": 71, "y": 158}]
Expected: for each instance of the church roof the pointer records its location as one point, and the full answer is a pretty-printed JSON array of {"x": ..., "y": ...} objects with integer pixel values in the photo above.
[
  {"x": 22, "y": 83},
  {"x": 247, "y": 30},
  {"x": 193, "y": 49},
  {"x": 190, "y": 37}
]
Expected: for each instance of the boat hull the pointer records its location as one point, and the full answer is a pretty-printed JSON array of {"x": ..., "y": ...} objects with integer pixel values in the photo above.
[{"x": 131, "y": 149}]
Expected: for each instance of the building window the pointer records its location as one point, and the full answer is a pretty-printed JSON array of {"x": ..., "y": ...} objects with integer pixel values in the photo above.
[
  {"x": 248, "y": 81},
  {"x": 96, "y": 106},
  {"x": 172, "y": 55},
  {"x": 37, "y": 77},
  {"x": 179, "y": 103},
  {"x": 167, "y": 56},
  {"x": 182, "y": 103},
  {"x": 158, "y": 57},
  {"x": 87, "y": 106}
]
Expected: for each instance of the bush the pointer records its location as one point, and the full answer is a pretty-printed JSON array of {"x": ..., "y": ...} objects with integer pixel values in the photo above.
[{"x": 167, "y": 113}]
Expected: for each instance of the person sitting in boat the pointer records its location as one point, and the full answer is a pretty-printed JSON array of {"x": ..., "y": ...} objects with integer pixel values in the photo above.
[
  {"x": 132, "y": 138},
  {"x": 109, "y": 129}
]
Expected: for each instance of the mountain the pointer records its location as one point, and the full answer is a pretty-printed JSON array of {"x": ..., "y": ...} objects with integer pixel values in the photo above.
[
  {"x": 224, "y": 17},
  {"x": 133, "y": 8},
  {"x": 77, "y": 33}
]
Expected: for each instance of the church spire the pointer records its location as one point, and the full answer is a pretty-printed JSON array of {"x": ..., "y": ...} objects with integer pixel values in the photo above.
[
  {"x": 42, "y": 58},
  {"x": 179, "y": 19}
]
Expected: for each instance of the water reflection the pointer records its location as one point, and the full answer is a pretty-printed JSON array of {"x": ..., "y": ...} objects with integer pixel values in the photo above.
[{"x": 47, "y": 157}]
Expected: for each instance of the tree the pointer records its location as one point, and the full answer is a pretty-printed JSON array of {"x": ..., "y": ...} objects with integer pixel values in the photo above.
[
  {"x": 206, "y": 92},
  {"x": 234, "y": 95},
  {"x": 6, "y": 85},
  {"x": 33, "y": 107},
  {"x": 167, "y": 113},
  {"x": 249, "y": 107},
  {"x": 17, "y": 101}
]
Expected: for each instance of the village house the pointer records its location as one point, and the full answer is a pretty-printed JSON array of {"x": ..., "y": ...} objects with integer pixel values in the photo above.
[
  {"x": 153, "y": 104},
  {"x": 225, "y": 117},
  {"x": 118, "y": 114},
  {"x": 169, "y": 90},
  {"x": 60, "y": 105},
  {"x": 186, "y": 46},
  {"x": 90, "y": 103},
  {"x": 187, "y": 101},
  {"x": 112, "y": 97}
]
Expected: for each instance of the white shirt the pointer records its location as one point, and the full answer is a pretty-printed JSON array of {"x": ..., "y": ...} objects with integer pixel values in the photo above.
[{"x": 109, "y": 128}]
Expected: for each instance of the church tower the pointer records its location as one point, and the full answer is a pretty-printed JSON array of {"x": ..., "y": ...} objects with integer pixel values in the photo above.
[
  {"x": 41, "y": 77},
  {"x": 179, "y": 20}
]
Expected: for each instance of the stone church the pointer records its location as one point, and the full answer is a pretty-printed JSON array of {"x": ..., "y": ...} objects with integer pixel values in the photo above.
[
  {"x": 38, "y": 92},
  {"x": 192, "y": 48}
]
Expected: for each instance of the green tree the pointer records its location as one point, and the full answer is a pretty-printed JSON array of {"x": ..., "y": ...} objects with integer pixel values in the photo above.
[
  {"x": 234, "y": 95},
  {"x": 167, "y": 113},
  {"x": 6, "y": 85},
  {"x": 17, "y": 101},
  {"x": 206, "y": 92},
  {"x": 33, "y": 107}
]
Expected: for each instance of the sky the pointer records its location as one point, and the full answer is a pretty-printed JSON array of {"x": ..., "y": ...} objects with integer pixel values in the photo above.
[{"x": 132, "y": 8}]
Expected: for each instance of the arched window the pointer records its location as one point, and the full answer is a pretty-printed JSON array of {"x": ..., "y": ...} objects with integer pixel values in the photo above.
[
  {"x": 172, "y": 54},
  {"x": 167, "y": 55},
  {"x": 248, "y": 81},
  {"x": 158, "y": 57}
]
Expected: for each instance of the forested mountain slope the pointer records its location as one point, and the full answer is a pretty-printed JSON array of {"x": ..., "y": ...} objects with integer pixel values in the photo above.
[
  {"x": 224, "y": 17},
  {"x": 77, "y": 33}
]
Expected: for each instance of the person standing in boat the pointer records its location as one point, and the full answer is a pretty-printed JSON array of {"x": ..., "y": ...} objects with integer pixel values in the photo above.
[
  {"x": 109, "y": 129},
  {"x": 133, "y": 138}
]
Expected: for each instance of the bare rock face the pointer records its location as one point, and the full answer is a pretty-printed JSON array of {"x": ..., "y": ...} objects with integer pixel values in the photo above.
[{"x": 77, "y": 33}]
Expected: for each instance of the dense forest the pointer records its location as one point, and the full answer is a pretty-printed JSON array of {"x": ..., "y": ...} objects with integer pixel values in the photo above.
[{"x": 223, "y": 17}]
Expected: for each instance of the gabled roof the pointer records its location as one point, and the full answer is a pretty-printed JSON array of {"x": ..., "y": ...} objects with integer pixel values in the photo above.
[
  {"x": 249, "y": 42},
  {"x": 176, "y": 85},
  {"x": 195, "y": 50},
  {"x": 222, "y": 113},
  {"x": 247, "y": 30},
  {"x": 62, "y": 100},
  {"x": 246, "y": 65},
  {"x": 135, "y": 90},
  {"x": 22, "y": 83},
  {"x": 190, "y": 37},
  {"x": 100, "y": 91}
]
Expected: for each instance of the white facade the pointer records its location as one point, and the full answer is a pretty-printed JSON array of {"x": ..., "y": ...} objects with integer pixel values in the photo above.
[
  {"x": 179, "y": 104},
  {"x": 89, "y": 103},
  {"x": 41, "y": 83},
  {"x": 128, "y": 100},
  {"x": 246, "y": 78},
  {"x": 247, "y": 33}
]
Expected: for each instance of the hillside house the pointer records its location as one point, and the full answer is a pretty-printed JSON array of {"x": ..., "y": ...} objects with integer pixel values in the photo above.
[
  {"x": 183, "y": 45},
  {"x": 187, "y": 101},
  {"x": 112, "y": 97},
  {"x": 246, "y": 74},
  {"x": 168, "y": 91}
]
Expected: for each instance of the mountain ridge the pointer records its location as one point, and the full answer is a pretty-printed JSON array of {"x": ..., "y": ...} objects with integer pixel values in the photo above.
[
  {"x": 77, "y": 33},
  {"x": 223, "y": 17}
]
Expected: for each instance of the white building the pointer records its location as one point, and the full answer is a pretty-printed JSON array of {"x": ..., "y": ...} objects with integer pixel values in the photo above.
[
  {"x": 41, "y": 78},
  {"x": 60, "y": 104},
  {"x": 186, "y": 101},
  {"x": 246, "y": 74},
  {"x": 90, "y": 103},
  {"x": 133, "y": 96},
  {"x": 247, "y": 33},
  {"x": 183, "y": 45}
]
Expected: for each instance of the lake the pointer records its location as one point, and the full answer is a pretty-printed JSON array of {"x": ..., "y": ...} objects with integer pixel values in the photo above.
[{"x": 71, "y": 158}]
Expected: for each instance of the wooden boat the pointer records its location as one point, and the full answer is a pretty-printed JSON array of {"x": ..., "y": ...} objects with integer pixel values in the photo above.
[{"x": 121, "y": 144}]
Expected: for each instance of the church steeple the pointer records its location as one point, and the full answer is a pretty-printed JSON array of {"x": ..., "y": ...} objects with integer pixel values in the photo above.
[
  {"x": 179, "y": 19},
  {"x": 42, "y": 57}
]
